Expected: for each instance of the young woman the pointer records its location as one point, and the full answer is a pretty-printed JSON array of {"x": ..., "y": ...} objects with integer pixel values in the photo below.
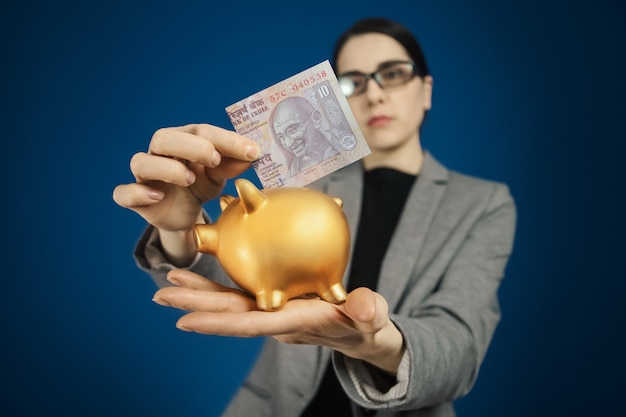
[{"x": 430, "y": 249}]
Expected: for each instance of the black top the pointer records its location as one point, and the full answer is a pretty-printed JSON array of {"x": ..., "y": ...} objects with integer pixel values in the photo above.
[{"x": 385, "y": 191}]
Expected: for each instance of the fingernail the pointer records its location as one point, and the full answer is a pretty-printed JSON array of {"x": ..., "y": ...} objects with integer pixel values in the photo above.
[
  {"x": 183, "y": 328},
  {"x": 252, "y": 151},
  {"x": 174, "y": 281},
  {"x": 216, "y": 158},
  {"x": 161, "y": 302},
  {"x": 155, "y": 195},
  {"x": 190, "y": 177}
]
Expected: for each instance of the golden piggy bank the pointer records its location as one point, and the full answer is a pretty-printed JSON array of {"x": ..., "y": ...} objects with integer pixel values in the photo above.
[{"x": 280, "y": 243}]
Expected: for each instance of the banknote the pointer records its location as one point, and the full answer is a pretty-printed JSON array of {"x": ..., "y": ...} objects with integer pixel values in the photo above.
[{"x": 303, "y": 126}]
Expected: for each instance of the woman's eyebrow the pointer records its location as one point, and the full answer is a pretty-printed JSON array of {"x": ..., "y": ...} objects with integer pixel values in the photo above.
[{"x": 381, "y": 65}]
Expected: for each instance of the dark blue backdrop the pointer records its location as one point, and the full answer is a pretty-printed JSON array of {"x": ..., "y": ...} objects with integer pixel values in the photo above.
[{"x": 530, "y": 94}]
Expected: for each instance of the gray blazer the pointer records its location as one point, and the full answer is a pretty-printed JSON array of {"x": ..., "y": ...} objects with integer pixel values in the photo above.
[{"x": 440, "y": 277}]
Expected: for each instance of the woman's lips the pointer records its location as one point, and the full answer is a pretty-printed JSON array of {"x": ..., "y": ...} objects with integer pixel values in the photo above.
[{"x": 378, "y": 121}]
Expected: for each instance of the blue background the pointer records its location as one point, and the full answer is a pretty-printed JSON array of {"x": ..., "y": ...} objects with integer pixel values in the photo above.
[{"x": 531, "y": 94}]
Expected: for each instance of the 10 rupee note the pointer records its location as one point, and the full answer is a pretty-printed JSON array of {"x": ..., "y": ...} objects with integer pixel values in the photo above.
[{"x": 303, "y": 126}]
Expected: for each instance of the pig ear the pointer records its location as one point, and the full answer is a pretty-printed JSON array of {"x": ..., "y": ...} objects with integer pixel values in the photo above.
[
  {"x": 225, "y": 200},
  {"x": 251, "y": 197},
  {"x": 339, "y": 201}
]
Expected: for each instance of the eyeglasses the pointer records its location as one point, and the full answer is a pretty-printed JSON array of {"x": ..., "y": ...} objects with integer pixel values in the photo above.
[
  {"x": 293, "y": 129},
  {"x": 389, "y": 74}
]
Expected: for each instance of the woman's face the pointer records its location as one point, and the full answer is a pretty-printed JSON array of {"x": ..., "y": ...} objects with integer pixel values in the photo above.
[{"x": 389, "y": 118}]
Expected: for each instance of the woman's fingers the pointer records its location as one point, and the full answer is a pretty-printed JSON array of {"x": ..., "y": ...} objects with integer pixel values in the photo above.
[
  {"x": 136, "y": 195},
  {"x": 228, "y": 143},
  {"x": 220, "y": 310},
  {"x": 149, "y": 167},
  {"x": 203, "y": 144},
  {"x": 193, "y": 292},
  {"x": 188, "y": 299},
  {"x": 189, "y": 279},
  {"x": 305, "y": 319}
]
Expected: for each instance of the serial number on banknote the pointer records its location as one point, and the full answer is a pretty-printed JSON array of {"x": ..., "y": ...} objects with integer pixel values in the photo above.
[{"x": 298, "y": 85}]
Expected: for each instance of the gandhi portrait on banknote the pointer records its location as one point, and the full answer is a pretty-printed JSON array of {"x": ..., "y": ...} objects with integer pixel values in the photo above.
[{"x": 298, "y": 129}]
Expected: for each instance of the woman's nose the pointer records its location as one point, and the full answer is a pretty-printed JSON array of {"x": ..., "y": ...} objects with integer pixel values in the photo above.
[{"x": 373, "y": 92}]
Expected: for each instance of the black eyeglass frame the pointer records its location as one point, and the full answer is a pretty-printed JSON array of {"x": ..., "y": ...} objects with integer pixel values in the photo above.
[{"x": 415, "y": 71}]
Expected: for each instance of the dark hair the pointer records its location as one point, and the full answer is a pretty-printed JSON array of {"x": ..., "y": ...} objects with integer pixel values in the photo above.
[{"x": 386, "y": 27}]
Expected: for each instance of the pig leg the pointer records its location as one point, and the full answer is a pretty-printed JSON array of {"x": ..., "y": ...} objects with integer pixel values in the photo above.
[
  {"x": 335, "y": 293},
  {"x": 270, "y": 300}
]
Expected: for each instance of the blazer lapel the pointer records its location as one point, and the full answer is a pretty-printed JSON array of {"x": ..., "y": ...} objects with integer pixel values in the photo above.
[{"x": 406, "y": 243}]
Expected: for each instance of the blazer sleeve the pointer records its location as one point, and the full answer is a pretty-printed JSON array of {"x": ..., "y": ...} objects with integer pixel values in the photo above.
[
  {"x": 149, "y": 257},
  {"x": 447, "y": 333}
]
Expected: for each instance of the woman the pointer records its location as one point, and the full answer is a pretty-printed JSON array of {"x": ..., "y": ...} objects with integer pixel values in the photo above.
[{"x": 430, "y": 250}]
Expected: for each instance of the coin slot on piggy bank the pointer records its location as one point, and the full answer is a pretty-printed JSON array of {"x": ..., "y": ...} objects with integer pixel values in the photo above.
[{"x": 280, "y": 243}]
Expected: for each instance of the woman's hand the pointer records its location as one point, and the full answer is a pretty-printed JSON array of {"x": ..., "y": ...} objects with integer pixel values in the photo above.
[
  {"x": 184, "y": 168},
  {"x": 359, "y": 328}
]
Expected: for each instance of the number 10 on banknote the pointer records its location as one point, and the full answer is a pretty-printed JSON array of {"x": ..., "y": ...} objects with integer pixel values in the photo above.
[{"x": 304, "y": 127}]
